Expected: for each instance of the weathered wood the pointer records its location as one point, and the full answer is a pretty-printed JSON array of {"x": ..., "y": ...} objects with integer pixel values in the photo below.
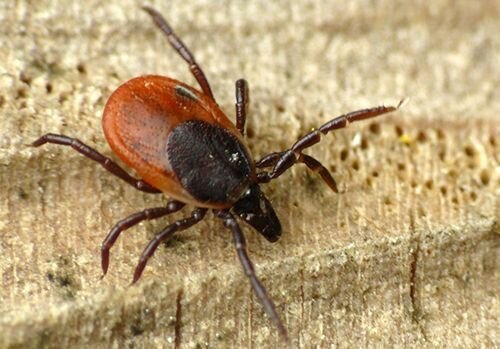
[{"x": 405, "y": 257}]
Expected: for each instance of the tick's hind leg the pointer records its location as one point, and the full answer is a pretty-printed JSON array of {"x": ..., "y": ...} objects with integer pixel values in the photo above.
[
  {"x": 196, "y": 216},
  {"x": 248, "y": 268},
  {"x": 93, "y": 154},
  {"x": 130, "y": 221},
  {"x": 181, "y": 48}
]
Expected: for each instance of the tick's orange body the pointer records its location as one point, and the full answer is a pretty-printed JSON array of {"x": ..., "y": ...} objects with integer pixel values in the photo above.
[{"x": 138, "y": 119}]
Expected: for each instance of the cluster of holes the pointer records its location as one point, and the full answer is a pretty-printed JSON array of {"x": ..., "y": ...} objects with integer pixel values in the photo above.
[
  {"x": 422, "y": 137},
  {"x": 484, "y": 174},
  {"x": 26, "y": 79},
  {"x": 344, "y": 154}
]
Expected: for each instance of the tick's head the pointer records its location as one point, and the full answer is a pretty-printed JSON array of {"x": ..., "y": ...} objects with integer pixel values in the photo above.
[{"x": 254, "y": 208}]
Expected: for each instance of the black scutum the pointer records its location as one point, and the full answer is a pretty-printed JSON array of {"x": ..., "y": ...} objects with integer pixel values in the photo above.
[{"x": 211, "y": 163}]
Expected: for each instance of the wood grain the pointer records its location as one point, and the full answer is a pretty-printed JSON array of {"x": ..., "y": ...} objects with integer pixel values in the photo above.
[{"x": 405, "y": 257}]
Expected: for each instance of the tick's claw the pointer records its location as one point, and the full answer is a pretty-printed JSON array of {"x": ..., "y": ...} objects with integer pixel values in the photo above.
[{"x": 403, "y": 102}]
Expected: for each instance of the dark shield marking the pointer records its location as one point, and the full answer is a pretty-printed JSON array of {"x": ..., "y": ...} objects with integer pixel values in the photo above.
[
  {"x": 211, "y": 163},
  {"x": 185, "y": 93}
]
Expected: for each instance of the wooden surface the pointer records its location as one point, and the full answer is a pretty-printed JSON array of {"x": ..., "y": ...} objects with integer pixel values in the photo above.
[{"x": 407, "y": 256}]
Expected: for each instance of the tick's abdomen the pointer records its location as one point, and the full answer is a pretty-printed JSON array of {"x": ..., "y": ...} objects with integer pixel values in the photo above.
[
  {"x": 210, "y": 162},
  {"x": 138, "y": 122}
]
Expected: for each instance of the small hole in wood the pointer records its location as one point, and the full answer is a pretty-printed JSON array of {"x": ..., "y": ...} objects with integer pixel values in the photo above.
[
  {"x": 344, "y": 153},
  {"x": 440, "y": 134},
  {"x": 473, "y": 196},
  {"x": 469, "y": 150},
  {"x": 442, "y": 154},
  {"x": 492, "y": 141},
  {"x": 369, "y": 181},
  {"x": 250, "y": 132},
  {"x": 399, "y": 130},
  {"x": 355, "y": 165},
  {"x": 443, "y": 190},
  {"x": 280, "y": 107},
  {"x": 25, "y": 78},
  {"x": 429, "y": 184},
  {"x": 63, "y": 97},
  {"x": 81, "y": 68},
  {"x": 485, "y": 177},
  {"x": 21, "y": 93},
  {"x": 364, "y": 143},
  {"x": 421, "y": 137},
  {"x": 374, "y": 128}
]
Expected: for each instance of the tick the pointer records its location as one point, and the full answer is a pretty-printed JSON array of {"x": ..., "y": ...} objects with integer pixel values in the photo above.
[{"x": 182, "y": 144}]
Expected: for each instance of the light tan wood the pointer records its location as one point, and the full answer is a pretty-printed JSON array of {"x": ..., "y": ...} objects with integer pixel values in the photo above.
[{"x": 405, "y": 257}]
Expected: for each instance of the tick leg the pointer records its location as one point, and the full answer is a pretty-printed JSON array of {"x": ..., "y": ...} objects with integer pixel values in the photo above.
[
  {"x": 93, "y": 154},
  {"x": 282, "y": 161},
  {"x": 268, "y": 160},
  {"x": 196, "y": 216},
  {"x": 181, "y": 48},
  {"x": 248, "y": 268},
  {"x": 242, "y": 100},
  {"x": 316, "y": 166},
  {"x": 130, "y": 221},
  {"x": 313, "y": 164}
]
